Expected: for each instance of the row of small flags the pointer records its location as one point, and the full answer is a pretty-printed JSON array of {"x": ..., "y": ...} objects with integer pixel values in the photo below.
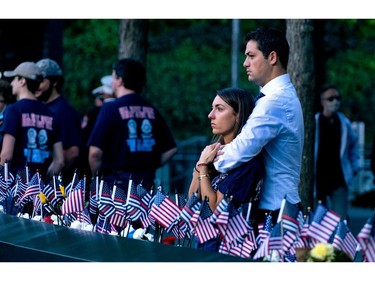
[{"x": 111, "y": 209}]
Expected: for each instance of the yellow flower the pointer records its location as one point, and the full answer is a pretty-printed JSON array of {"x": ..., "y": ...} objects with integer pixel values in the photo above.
[
  {"x": 62, "y": 188},
  {"x": 42, "y": 198},
  {"x": 322, "y": 252}
]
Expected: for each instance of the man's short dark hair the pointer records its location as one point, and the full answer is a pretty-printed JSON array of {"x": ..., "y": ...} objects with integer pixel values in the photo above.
[
  {"x": 271, "y": 39},
  {"x": 132, "y": 72}
]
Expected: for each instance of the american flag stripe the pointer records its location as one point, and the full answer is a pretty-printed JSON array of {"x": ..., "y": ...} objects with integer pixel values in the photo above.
[
  {"x": 323, "y": 224},
  {"x": 165, "y": 213},
  {"x": 263, "y": 249},
  {"x": 237, "y": 226},
  {"x": 221, "y": 212},
  {"x": 118, "y": 218},
  {"x": 190, "y": 214},
  {"x": 74, "y": 203},
  {"x": 345, "y": 241},
  {"x": 205, "y": 230},
  {"x": 275, "y": 243},
  {"x": 290, "y": 224},
  {"x": 348, "y": 245},
  {"x": 289, "y": 238},
  {"x": 366, "y": 240},
  {"x": 368, "y": 249}
]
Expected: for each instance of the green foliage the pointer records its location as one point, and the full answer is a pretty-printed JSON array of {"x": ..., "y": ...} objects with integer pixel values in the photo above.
[
  {"x": 90, "y": 48},
  {"x": 352, "y": 68},
  {"x": 183, "y": 83},
  {"x": 189, "y": 59}
]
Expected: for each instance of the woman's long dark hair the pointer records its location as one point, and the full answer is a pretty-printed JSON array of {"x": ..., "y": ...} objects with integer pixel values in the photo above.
[{"x": 242, "y": 103}]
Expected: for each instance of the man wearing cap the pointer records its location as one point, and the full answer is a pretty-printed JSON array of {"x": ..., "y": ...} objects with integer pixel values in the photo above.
[
  {"x": 24, "y": 120},
  {"x": 49, "y": 92},
  {"x": 130, "y": 138}
]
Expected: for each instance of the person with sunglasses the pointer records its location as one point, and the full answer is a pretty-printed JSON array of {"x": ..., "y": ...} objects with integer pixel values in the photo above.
[{"x": 336, "y": 151}]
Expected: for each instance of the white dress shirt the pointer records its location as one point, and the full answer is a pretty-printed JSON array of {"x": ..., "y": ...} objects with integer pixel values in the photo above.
[{"x": 276, "y": 128}]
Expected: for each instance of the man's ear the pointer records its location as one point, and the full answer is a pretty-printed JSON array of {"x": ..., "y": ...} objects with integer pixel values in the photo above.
[{"x": 272, "y": 57}]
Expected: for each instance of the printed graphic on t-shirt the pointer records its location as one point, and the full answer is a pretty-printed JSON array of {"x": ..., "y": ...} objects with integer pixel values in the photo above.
[
  {"x": 36, "y": 150},
  {"x": 145, "y": 142},
  {"x": 132, "y": 126}
]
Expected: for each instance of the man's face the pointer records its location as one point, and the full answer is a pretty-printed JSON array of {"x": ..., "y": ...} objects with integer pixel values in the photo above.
[
  {"x": 16, "y": 84},
  {"x": 257, "y": 67},
  {"x": 330, "y": 101},
  {"x": 44, "y": 91}
]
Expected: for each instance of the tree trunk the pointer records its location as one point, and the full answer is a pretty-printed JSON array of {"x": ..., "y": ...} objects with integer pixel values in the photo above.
[
  {"x": 301, "y": 68},
  {"x": 133, "y": 39}
]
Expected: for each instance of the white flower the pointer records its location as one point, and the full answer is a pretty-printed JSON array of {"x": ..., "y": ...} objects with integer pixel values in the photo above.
[
  {"x": 88, "y": 227},
  {"x": 139, "y": 233},
  {"x": 150, "y": 237},
  {"x": 25, "y": 216},
  {"x": 37, "y": 218},
  {"x": 76, "y": 224}
]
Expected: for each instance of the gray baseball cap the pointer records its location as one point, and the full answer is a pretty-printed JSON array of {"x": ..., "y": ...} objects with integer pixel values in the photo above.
[
  {"x": 49, "y": 68},
  {"x": 26, "y": 69}
]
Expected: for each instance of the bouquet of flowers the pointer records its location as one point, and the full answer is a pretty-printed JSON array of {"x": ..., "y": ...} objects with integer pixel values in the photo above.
[
  {"x": 322, "y": 252},
  {"x": 325, "y": 252}
]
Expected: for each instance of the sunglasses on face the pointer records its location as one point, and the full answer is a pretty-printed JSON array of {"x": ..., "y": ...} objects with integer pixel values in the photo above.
[{"x": 333, "y": 98}]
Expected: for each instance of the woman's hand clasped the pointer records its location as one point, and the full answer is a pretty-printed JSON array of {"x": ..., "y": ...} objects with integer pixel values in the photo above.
[{"x": 210, "y": 153}]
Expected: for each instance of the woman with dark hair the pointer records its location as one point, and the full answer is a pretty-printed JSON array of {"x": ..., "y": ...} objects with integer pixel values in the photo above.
[{"x": 230, "y": 111}]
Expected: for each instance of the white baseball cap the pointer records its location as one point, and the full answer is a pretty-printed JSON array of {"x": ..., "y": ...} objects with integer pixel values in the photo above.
[{"x": 106, "y": 86}]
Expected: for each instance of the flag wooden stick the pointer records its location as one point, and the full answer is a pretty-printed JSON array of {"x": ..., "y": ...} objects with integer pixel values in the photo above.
[
  {"x": 248, "y": 212},
  {"x": 6, "y": 185},
  {"x": 281, "y": 210},
  {"x": 27, "y": 174}
]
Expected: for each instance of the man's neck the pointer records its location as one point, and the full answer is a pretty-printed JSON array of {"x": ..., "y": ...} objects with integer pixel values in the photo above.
[
  {"x": 123, "y": 92},
  {"x": 53, "y": 96},
  {"x": 25, "y": 94}
]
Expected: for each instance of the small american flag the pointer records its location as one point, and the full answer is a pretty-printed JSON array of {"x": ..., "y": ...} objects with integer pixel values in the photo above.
[
  {"x": 21, "y": 185},
  {"x": 323, "y": 224},
  {"x": 292, "y": 217},
  {"x": 32, "y": 189},
  {"x": 133, "y": 211},
  {"x": 106, "y": 205},
  {"x": 236, "y": 225},
  {"x": 72, "y": 184},
  {"x": 118, "y": 218},
  {"x": 164, "y": 210},
  {"x": 264, "y": 229},
  {"x": 344, "y": 240},
  {"x": 366, "y": 239},
  {"x": 75, "y": 202},
  {"x": 103, "y": 225},
  {"x": 204, "y": 228},
  {"x": 221, "y": 214},
  {"x": 145, "y": 203},
  {"x": 178, "y": 227},
  {"x": 190, "y": 212}
]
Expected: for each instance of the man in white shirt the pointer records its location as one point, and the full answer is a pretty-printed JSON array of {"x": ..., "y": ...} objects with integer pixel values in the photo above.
[{"x": 275, "y": 128}]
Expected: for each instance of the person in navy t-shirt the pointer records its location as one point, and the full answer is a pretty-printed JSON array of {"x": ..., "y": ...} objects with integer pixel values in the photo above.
[
  {"x": 68, "y": 117},
  {"x": 31, "y": 135},
  {"x": 131, "y": 138}
]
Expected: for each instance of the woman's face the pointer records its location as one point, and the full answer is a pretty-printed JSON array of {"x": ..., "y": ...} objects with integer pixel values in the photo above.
[{"x": 223, "y": 119}]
